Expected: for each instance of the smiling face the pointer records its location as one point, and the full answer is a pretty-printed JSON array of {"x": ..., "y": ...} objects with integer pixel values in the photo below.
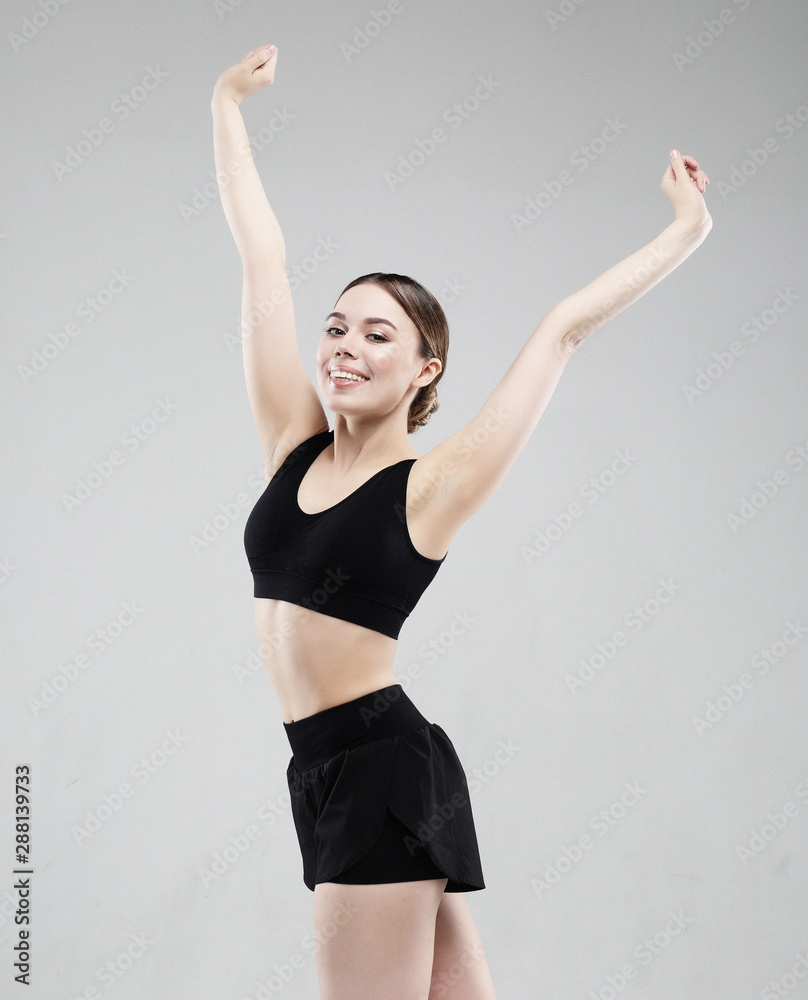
[{"x": 370, "y": 336}]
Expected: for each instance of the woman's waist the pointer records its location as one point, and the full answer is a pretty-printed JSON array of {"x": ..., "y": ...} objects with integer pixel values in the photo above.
[
  {"x": 315, "y": 661},
  {"x": 375, "y": 715},
  {"x": 289, "y": 633}
]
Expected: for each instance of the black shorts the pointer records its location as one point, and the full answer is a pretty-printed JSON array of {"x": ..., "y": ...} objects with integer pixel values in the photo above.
[{"x": 379, "y": 795}]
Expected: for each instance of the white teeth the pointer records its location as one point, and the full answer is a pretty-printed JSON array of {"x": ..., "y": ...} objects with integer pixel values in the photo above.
[{"x": 337, "y": 373}]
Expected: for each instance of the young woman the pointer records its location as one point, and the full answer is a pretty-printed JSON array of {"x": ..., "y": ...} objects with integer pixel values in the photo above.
[{"x": 350, "y": 531}]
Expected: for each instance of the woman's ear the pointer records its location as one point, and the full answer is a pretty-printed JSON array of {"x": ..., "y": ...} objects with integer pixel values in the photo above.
[{"x": 431, "y": 369}]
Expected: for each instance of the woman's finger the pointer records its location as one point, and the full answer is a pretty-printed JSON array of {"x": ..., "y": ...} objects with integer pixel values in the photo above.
[
  {"x": 699, "y": 177},
  {"x": 701, "y": 180}
]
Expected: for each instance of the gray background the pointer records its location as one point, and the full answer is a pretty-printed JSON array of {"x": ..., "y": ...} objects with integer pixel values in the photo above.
[{"x": 489, "y": 651}]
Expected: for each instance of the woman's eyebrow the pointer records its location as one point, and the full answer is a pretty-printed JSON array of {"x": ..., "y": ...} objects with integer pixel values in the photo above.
[{"x": 369, "y": 320}]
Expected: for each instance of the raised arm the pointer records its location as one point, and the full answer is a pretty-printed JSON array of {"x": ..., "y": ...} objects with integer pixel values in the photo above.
[
  {"x": 588, "y": 309},
  {"x": 284, "y": 401},
  {"x": 470, "y": 465}
]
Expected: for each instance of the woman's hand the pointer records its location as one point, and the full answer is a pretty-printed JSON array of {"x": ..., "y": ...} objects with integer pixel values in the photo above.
[
  {"x": 256, "y": 70},
  {"x": 684, "y": 185}
]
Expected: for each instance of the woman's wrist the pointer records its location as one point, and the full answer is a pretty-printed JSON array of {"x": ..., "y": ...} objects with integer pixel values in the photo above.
[
  {"x": 221, "y": 97},
  {"x": 692, "y": 230}
]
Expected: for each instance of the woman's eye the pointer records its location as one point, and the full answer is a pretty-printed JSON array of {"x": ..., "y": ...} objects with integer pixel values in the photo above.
[{"x": 336, "y": 329}]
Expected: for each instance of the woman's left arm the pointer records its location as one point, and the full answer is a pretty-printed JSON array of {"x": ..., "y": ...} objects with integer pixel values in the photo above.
[
  {"x": 613, "y": 291},
  {"x": 470, "y": 465}
]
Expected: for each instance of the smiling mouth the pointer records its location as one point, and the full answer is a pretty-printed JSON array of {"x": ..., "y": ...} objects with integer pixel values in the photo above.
[{"x": 345, "y": 380}]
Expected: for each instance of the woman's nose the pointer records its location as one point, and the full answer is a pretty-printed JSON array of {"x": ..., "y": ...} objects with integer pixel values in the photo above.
[{"x": 342, "y": 347}]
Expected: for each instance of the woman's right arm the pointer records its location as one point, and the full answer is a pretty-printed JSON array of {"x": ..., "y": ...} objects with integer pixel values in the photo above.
[{"x": 284, "y": 401}]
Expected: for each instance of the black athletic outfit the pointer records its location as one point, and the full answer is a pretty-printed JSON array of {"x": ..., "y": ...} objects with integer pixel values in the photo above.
[{"x": 378, "y": 792}]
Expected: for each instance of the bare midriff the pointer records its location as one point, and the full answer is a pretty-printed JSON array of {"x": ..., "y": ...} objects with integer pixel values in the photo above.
[{"x": 316, "y": 661}]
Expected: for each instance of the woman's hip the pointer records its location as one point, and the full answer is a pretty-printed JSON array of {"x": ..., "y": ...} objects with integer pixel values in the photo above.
[{"x": 378, "y": 715}]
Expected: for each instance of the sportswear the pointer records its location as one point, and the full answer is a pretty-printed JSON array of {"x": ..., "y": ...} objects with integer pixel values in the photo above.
[
  {"x": 379, "y": 794},
  {"x": 354, "y": 560}
]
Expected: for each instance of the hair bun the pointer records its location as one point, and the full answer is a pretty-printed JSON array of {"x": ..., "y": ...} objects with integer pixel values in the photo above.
[{"x": 423, "y": 406}]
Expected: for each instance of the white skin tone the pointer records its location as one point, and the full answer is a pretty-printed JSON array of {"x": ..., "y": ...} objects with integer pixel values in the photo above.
[
  {"x": 401, "y": 937},
  {"x": 371, "y": 426}
]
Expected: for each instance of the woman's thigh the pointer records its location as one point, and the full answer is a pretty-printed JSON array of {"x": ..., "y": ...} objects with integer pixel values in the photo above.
[
  {"x": 459, "y": 970},
  {"x": 376, "y": 940}
]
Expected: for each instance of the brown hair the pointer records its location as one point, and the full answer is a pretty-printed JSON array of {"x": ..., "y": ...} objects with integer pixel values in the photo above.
[{"x": 430, "y": 321}]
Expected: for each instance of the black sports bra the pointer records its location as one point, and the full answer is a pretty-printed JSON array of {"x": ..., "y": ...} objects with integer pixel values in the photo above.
[{"x": 354, "y": 560}]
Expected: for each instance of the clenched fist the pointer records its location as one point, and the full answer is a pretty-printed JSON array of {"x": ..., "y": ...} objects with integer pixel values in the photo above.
[
  {"x": 256, "y": 70},
  {"x": 684, "y": 185}
]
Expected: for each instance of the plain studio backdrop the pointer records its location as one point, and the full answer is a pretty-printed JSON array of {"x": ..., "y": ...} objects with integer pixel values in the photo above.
[{"x": 616, "y": 641}]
